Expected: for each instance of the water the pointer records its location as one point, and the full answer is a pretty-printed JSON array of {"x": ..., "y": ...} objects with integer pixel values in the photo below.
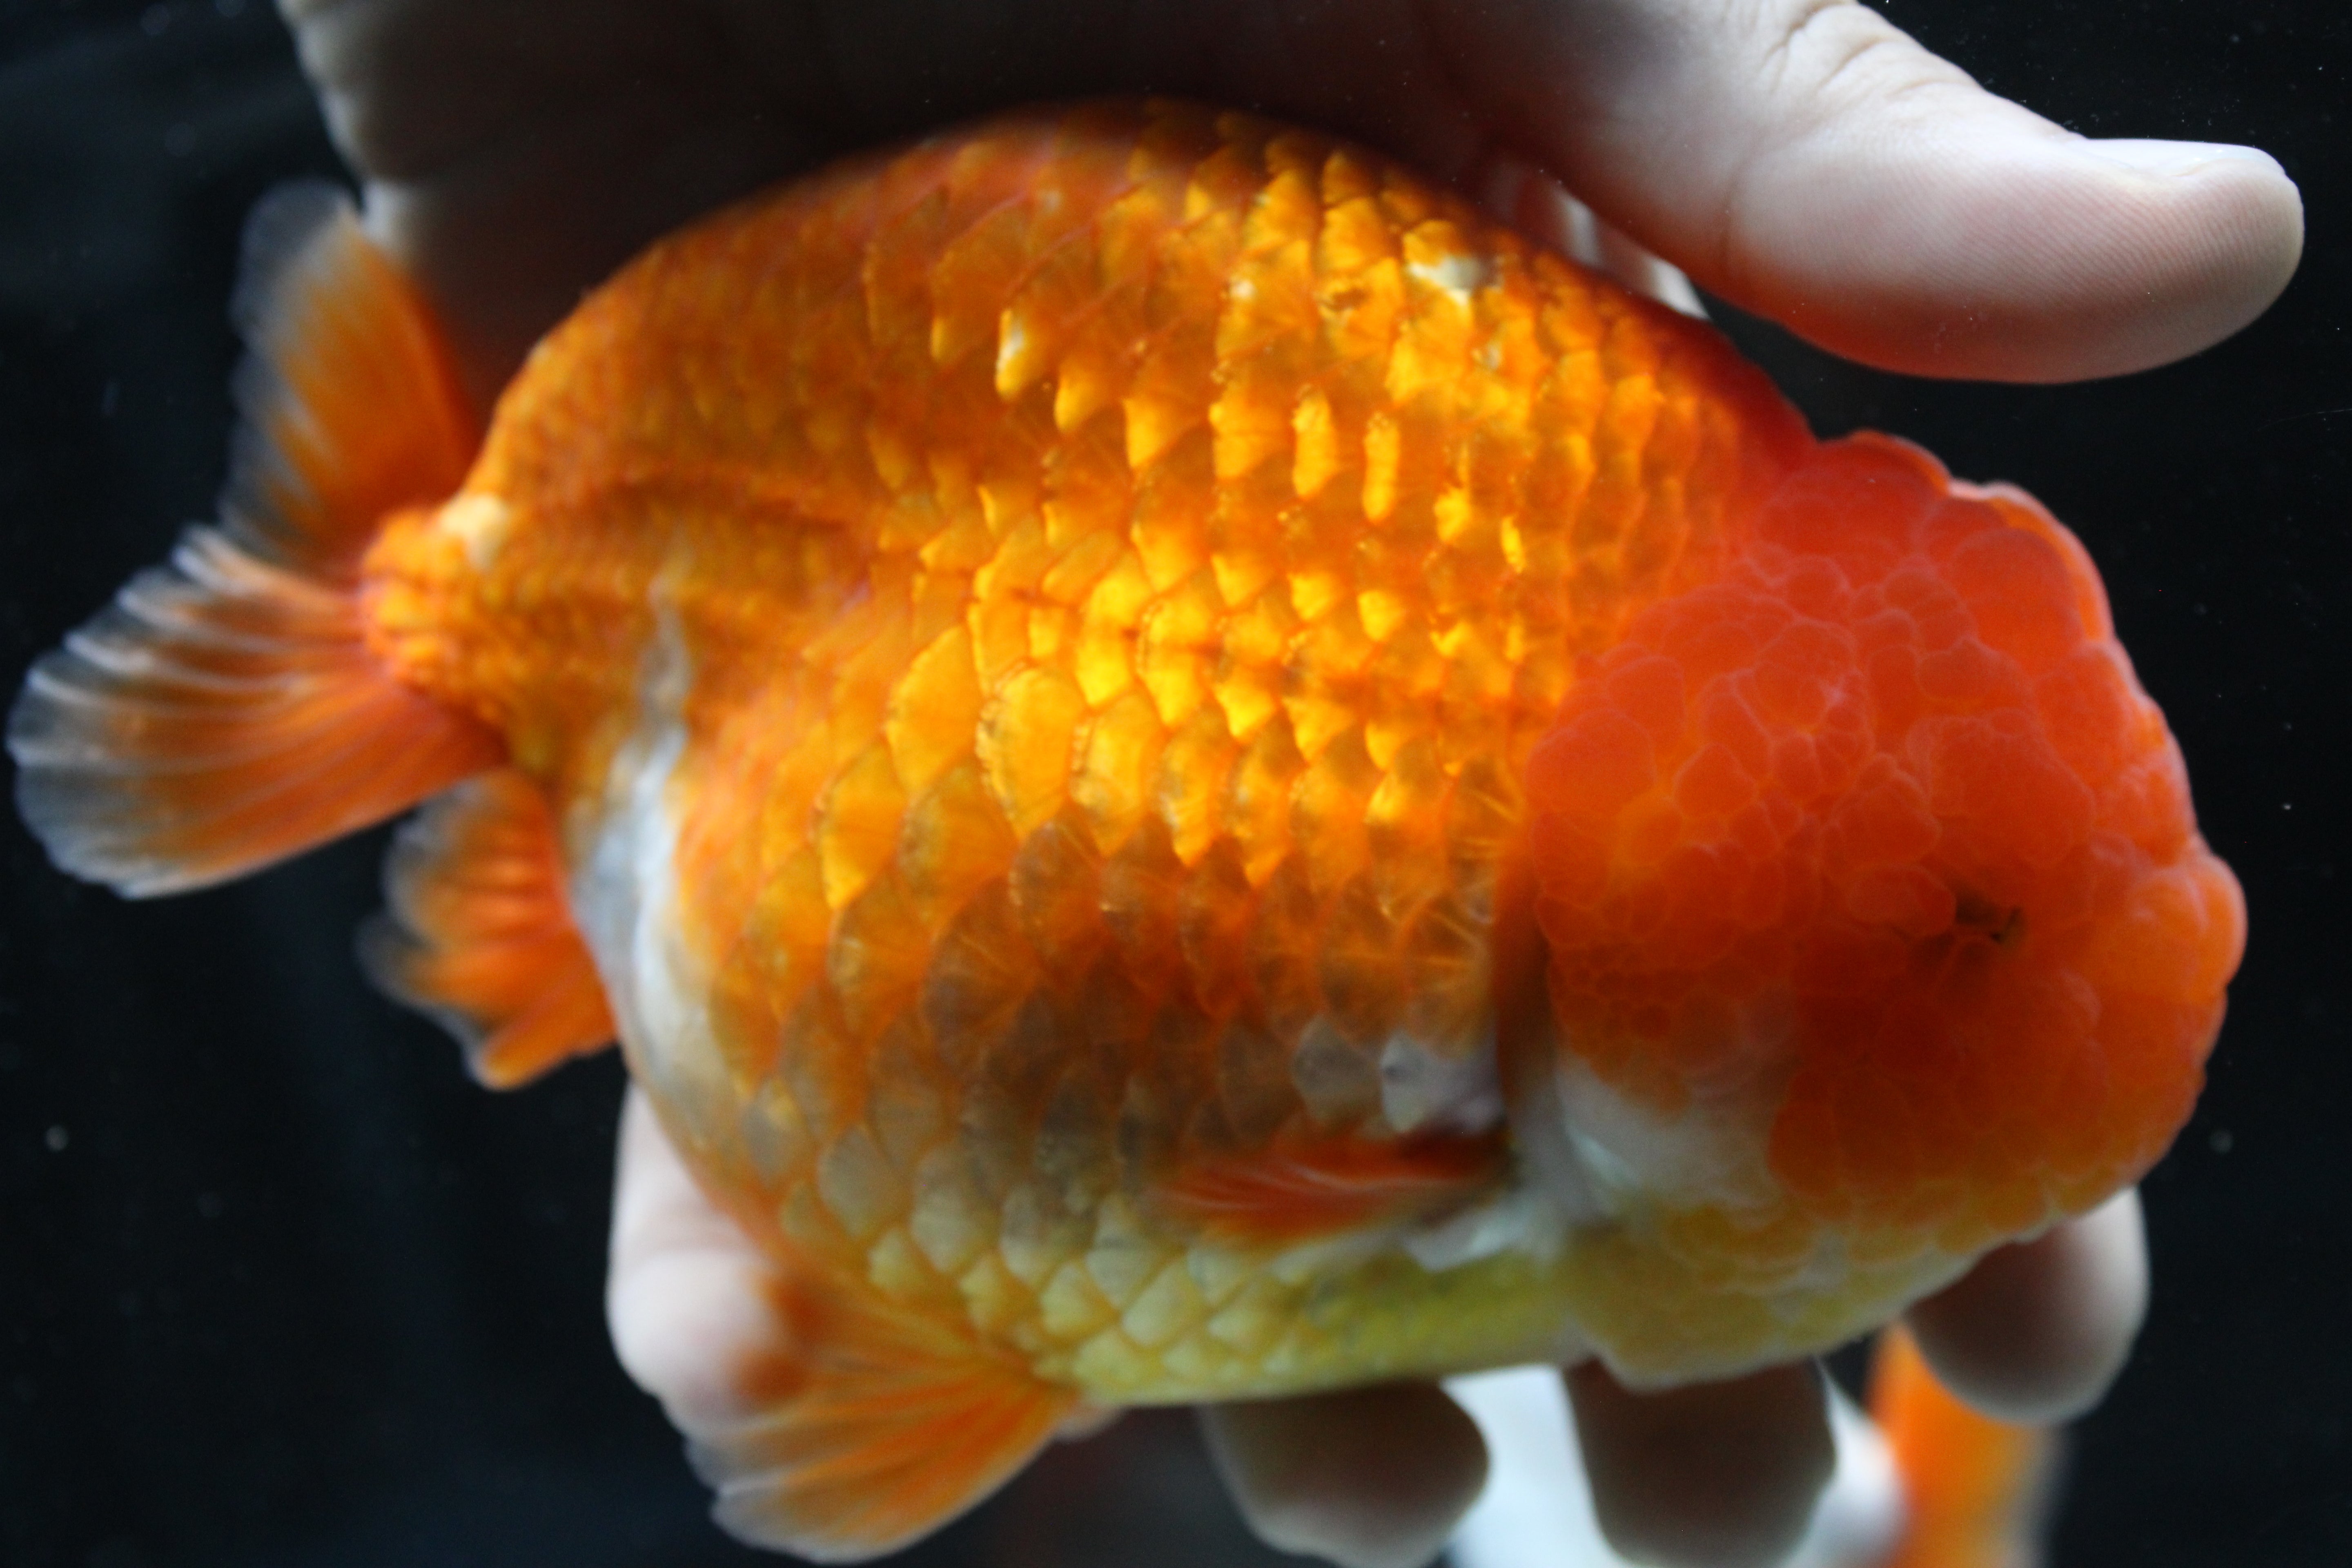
[{"x": 283, "y": 1288}]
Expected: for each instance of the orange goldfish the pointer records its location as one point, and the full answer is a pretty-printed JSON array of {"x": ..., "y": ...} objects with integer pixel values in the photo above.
[{"x": 1186, "y": 773}]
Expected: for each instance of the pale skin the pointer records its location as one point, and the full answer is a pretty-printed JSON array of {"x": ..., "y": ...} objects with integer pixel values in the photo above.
[{"x": 1800, "y": 158}]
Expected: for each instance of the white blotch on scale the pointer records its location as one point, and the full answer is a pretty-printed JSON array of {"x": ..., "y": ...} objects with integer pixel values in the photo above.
[
  {"x": 1459, "y": 276},
  {"x": 1012, "y": 342},
  {"x": 1426, "y": 1090},
  {"x": 625, "y": 901},
  {"x": 1536, "y": 1512},
  {"x": 478, "y": 521}
]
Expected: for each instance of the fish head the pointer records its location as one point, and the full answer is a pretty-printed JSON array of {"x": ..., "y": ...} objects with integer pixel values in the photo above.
[{"x": 1874, "y": 926}]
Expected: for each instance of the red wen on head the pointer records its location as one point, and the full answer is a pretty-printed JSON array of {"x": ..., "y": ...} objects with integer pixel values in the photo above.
[{"x": 1877, "y": 834}]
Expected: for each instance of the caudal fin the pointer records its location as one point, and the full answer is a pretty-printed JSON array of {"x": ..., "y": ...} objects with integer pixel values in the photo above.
[
  {"x": 225, "y": 711},
  {"x": 1975, "y": 1491}
]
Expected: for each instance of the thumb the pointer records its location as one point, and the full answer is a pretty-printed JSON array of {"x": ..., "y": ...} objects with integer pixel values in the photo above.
[{"x": 1807, "y": 161}]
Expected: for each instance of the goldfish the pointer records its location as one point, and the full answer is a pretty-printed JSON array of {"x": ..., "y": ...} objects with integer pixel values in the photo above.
[{"x": 1186, "y": 771}]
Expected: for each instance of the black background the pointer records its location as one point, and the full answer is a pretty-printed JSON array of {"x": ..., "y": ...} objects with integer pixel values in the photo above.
[{"x": 279, "y": 1286}]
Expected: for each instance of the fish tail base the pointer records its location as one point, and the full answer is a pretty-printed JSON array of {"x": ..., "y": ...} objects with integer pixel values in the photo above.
[{"x": 226, "y": 710}]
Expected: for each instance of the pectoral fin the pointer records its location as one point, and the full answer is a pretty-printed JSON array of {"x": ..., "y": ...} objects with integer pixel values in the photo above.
[{"x": 1314, "y": 1191}]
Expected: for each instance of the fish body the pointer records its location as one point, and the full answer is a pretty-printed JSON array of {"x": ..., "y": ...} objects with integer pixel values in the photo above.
[
  {"x": 1011, "y": 768},
  {"x": 1188, "y": 773}
]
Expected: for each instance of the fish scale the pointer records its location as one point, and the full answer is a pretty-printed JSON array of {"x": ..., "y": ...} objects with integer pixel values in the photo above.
[{"x": 1209, "y": 522}]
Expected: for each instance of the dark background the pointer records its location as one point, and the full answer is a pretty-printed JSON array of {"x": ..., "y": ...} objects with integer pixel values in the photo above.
[{"x": 279, "y": 1286}]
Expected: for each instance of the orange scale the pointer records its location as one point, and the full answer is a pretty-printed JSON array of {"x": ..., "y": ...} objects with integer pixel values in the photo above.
[
  {"x": 2032, "y": 1025},
  {"x": 1893, "y": 1142},
  {"x": 2086, "y": 885},
  {"x": 1782, "y": 814},
  {"x": 1711, "y": 940},
  {"x": 1808, "y": 894},
  {"x": 1943, "y": 1145},
  {"x": 1702, "y": 1039},
  {"x": 1752, "y": 831},
  {"x": 1762, "y": 608},
  {"x": 1608, "y": 661},
  {"x": 1844, "y": 1163},
  {"x": 1651, "y": 1022},
  {"x": 2198, "y": 908},
  {"x": 1804, "y": 1153}
]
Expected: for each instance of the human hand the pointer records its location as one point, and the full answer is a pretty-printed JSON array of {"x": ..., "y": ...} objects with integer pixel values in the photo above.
[
  {"x": 1715, "y": 1477},
  {"x": 1799, "y": 158},
  {"x": 1802, "y": 159}
]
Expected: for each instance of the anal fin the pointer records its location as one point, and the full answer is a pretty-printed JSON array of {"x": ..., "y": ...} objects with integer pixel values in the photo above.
[
  {"x": 480, "y": 935},
  {"x": 874, "y": 1428}
]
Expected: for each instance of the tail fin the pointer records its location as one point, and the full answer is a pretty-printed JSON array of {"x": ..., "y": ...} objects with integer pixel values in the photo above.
[
  {"x": 225, "y": 711},
  {"x": 1976, "y": 1490}
]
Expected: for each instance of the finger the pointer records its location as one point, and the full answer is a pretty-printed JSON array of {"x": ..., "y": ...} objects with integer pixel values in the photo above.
[
  {"x": 1721, "y": 1475},
  {"x": 1803, "y": 158},
  {"x": 1517, "y": 195},
  {"x": 515, "y": 153},
  {"x": 1800, "y": 157},
  {"x": 690, "y": 1301},
  {"x": 1806, "y": 160},
  {"x": 1370, "y": 1477},
  {"x": 2037, "y": 1331}
]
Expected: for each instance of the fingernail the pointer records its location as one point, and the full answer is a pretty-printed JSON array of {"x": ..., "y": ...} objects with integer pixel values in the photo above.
[{"x": 2175, "y": 159}]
